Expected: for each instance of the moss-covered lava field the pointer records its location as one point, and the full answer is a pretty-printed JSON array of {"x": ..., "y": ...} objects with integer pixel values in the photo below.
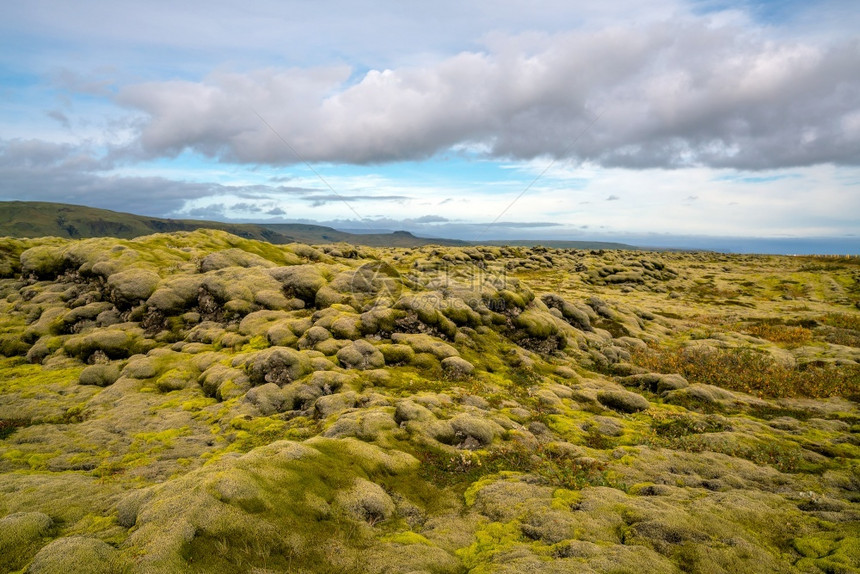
[{"x": 198, "y": 402}]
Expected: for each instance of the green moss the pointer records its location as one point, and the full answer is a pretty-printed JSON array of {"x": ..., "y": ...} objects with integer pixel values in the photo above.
[
  {"x": 813, "y": 547},
  {"x": 100, "y": 375},
  {"x": 256, "y": 432},
  {"x": 564, "y": 499},
  {"x": 406, "y": 538},
  {"x": 20, "y": 376},
  {"x": 360, "y": 355},
  {"x": 133, "y": 285},
  {"x": 300, "y": 281},
  {"x": 277, "y": 364},
  {"x": 161, "y": 439},
  {"x": 43, "y": 261},
  {"x": 21, "y": 535},
  {"x": 13, "y": 346},
  {"x": 176, "y": 379},
  {"x": 491, "y": 540},
  {"x": 536, "y": 324},
  {"x": 397, "y": 354},
  {"x": 114, "y": 343},
  {"x": 78, "y": 554},
  {"x": 246, "y": 474},
  {"x": 421, "y": 343}
]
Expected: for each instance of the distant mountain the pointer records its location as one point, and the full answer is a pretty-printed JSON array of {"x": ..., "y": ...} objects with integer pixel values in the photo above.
[
  {"x": 40, "y": 219},
  {"x": 556, "y": 244}
]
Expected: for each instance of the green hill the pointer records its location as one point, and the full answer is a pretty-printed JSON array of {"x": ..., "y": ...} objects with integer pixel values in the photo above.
[{"x": 41, "y": 219}]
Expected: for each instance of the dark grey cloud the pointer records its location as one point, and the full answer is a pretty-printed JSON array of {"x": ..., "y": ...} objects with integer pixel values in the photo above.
[
  {"x": 259, "y": 192},
  {"x": 457, "y": 229},
  {"x": 430, "y": 219},
  {"x": 250, "y": 207},
  {"x": 36, "y": 170},
  {"x": 322, "y": 199},
  {"x": 91, "y": 84},
  {"x": 212, "y": 211},
  {"x": 670, "y": 94},
  {"x": 60, "y": 117},
  {"x": 35, "y": 155},
  {"x": 525, "y": 224}
]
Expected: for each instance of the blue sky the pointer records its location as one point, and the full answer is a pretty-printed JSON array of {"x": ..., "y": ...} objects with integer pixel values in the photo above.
[{"x": 627, "y": 119}]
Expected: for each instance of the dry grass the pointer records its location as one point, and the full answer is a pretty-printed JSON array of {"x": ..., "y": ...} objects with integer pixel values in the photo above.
[
  {"x": 751, "y": 371},
  {"x": 790, "y": 336}
]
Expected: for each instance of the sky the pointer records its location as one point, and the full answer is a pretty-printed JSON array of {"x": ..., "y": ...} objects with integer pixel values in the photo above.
[{"x": 502, "y": 119}]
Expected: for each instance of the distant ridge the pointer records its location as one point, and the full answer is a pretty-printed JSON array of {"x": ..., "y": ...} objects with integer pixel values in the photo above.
[
  {"x": 42, "y": 219},
  {"x": 559, "y": 244}
]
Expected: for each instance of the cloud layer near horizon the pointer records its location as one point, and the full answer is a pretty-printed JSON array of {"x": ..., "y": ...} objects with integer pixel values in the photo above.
[{"x": 672, "y": 94}]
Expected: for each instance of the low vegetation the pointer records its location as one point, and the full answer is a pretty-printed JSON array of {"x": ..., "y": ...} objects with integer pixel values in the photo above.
[{"x": 202, "y": 402}]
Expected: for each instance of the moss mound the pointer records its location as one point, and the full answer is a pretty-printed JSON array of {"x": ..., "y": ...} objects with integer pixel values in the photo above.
[{"x": 199, "y": 402}]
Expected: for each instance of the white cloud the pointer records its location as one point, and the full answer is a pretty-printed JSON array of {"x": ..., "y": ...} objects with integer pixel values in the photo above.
[{"x": 677, "y": 93}]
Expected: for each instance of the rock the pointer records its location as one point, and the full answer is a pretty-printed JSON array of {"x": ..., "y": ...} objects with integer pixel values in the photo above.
[
  {"x": 656, "y": 382},
  {"x": 481, "y": 430},
  {"x": 279, "y": 365},
  {"x": 366, "y": 501},
  {"x": 100, "y": 375},
  {"x": 268, "y": 398},
  {"x": 408, "y": 410},
  {"x": 361, "y": 355},
  {"x": 457, "y": 368},
  {"x": 300, "y": 281},
  {"x": 623, "y": 401},
  {"x": 328, "y": 405},
  {"x": 132, "y": 286}
]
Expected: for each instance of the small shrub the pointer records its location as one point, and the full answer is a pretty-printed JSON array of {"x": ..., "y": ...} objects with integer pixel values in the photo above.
[
  {"x": 790, "y": 336},
  {"x": 13, "y": 346},
  {"x": 8, "y": 426},
  {"x": 670, "y": 425}
]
